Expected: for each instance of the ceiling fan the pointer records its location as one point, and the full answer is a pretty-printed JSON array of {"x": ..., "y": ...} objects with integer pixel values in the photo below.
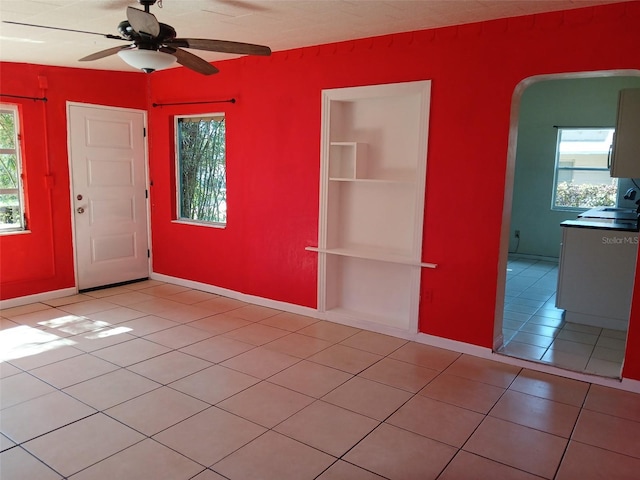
[{"x": 155, "y": 45}]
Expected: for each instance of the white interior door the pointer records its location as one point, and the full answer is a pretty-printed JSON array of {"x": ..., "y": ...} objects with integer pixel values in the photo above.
[{"x": 109, "y": 188}]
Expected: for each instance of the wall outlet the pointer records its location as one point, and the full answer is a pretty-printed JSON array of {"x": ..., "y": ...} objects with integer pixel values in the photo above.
[{"x": 517, "y": 234}]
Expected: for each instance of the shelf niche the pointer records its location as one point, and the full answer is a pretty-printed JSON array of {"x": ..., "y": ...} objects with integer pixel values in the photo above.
[{"x": 372, "y": 190}]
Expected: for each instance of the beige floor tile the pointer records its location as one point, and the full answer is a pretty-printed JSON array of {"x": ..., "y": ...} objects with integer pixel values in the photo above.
[
  {"x": 374, "y": 342},
  {"x": 217, "y": 349},
  {"x": 90, "y": 342},
  {"x": 178, "y": 337},
  {"x": 156, "y": 410},
  {"x": 111, "y": 389},
  {"x": 368, "y": 398},
  {"x": 425, "y": 356},
  {"x": 191, "y": 297},
  {"x": 604, "y": 368},
  {"x": 141, "y": 285},
  {"x": 580, "y": 337},
  {"x": 210, "y": 435},
  {"x": 605, "y": 431},
  {"x": 310, "y": 378},
  {"x": 32, "y": 347},
  {"x": 535, "y": 412},
  {"x": 17, "y": 464},
  {"x": 214, "y": 384},
  {"x": 266, "y": 404},
  {"x": 166, "y": 290},
  {"x": 567, "y": 360},
  {"x": 20, "y": 388},
  {"x": 221, "y": 304},
  {"x": 523, "y": 350},
  {"x": 83, "y": 443},
  {"x": 296, "y": 345},
  {"x": 254, "y": 313},
  {"x": 40, "y": 415},
  {"x": 57, "y": 302},
  {"x": 262, "y": 460},
  {"x": 220, "y": 323},
  {"x": 413, "y": 456},
  {"x": 346, "y": 471},
  {"x": 130, "y": 298},
  {"x": 567, "y": 346},
  {"x": 437, "y": 420},
  {"x": 74, "y": 325},
  {"x": 395, "y": 373},
  {"x": 157, "y": 306},
  {"x": 256, "y": 334},
  {"x": 5, "y": 443},
  {"x": 169, "y": 367},
  {"x": 289, "y": 321},
  {"x": 614, "y": 402},
  {"x": 107, "y": 292},
  {"x": 134, "y": 351},
  {"x": 35, "y": 318},
  {"x": 521, "y": 447},
  {"x": 73, "y": 370},
  {"x": 47, "y": 353},
  {"x": 609, "y": 354},
  {"x": 260, "y": 362},
  {"x": 332, "y": 332},
  {"x": 182, "y": 313},
  {"x": 551, "y": 387},
  {"x": 8, "y": 370},
  {"x": 147, "y": 459},
  {"x": 23, "y": 309},
  {"x": 586, "y": 462},
  {"x": 483, "y": 370},
  {"x": 148, "y": 324},
  {"x": 347, "y": 359},
  {"x": 208, "y": 475},
  {"x": 88, "y": 307},
  {"x": 462, "y": 392},
  {"x": 327, "y": 427},
  {"x": 467, "y": 466}
]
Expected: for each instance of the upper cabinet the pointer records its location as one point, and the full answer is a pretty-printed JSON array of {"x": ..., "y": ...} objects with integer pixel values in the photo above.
[
  {"x": 625, "y": 157},
  {"x": 373, "y": 169}
]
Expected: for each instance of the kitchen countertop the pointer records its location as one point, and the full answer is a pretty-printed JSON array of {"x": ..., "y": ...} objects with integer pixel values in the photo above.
[{"x": 606, "y": 218}]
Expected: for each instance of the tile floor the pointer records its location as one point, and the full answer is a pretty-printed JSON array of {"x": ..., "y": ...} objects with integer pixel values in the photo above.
[
  {"x": 533, "y": 328},
  {"x": 156, "y": 381}
]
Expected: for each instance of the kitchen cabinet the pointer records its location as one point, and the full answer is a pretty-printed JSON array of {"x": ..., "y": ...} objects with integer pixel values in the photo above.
[
  {"x": 596, "y": 275},
  {"x": 372, "y": 190},
  {"x": 625, "y": 156}
]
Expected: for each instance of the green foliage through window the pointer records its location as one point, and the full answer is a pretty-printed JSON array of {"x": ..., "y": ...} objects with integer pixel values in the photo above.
[
  {"x": 11, "y": 211},
  {"x": 201, "y": 168}
]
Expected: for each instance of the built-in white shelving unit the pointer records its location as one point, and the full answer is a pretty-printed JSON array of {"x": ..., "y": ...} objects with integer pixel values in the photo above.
[{"x": 373, "y": 170}]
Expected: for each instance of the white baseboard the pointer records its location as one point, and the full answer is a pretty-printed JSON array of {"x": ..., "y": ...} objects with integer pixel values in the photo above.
[{"x": 38, "y": 297}]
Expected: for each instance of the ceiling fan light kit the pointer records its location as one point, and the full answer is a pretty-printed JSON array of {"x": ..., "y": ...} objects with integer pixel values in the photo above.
[
  {"x": 155, "y": 45},
  {"x": 147, "y": 60}
]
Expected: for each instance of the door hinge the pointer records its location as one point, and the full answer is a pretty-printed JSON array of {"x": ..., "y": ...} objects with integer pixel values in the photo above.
[
  {"x": 146, "y": 194},
  {"x": 144, "y": 131},
  {"x": 148, "y": 253}
]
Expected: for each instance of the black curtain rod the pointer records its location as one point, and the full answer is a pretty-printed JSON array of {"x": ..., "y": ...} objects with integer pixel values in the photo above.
[
  {"x": 231, "y": 100},
  {"x": 590, "y": 127},
  {"x": 42, "y": 99}
]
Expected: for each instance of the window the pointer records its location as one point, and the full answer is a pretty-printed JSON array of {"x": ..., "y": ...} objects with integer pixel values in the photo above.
[
  {"x": 11, "y": 199},
  {"x": 582, "y": 177},
  {"x": 201, "y": 168}
]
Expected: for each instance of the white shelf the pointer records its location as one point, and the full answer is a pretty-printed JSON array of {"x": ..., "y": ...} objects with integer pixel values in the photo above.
[{"x": 372, "y": 255}]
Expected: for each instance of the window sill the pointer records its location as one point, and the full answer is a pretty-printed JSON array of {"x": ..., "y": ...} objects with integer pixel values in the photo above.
[
  {"x": 14, "y": 232},
  {"x": 201, "y": 224}
]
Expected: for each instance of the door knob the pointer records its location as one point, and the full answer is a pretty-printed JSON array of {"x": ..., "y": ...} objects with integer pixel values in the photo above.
[{"x": 80, "y": 210}]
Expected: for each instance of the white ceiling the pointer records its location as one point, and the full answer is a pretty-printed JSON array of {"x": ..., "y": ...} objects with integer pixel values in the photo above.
[{"x": 280, "y": 24}]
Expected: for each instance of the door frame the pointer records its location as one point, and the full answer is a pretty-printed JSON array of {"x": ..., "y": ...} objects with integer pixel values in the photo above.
[
  {"x": 498, "y": 338},
  {"x": 70, "y": 167}
]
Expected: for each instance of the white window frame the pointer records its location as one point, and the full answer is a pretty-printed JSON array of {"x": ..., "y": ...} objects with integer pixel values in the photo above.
[
  {"x": 558, "y": 168},
  {"x": 17, "y": 151},
  {"x": 178, "y": 171}
]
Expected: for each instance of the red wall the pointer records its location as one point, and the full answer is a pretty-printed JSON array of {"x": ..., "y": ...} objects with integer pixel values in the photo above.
[
  {"x": 42, "y": 260},
  {"x": 273, "y": 157},
  {"x": 274, "y": 144}
]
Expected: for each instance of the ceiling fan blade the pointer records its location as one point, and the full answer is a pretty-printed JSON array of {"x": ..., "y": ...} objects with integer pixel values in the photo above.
[
  {"x": 106, "y": 35},
  {"x": 224, "y": 46},
  {"x": 103, "y": 53},
  {"x": 191, "y": 61},
  {"x": 143, "y": 22}
]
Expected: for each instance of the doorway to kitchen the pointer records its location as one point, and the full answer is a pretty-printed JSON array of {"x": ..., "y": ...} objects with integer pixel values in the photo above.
[{"x": 528, "y": 323}]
